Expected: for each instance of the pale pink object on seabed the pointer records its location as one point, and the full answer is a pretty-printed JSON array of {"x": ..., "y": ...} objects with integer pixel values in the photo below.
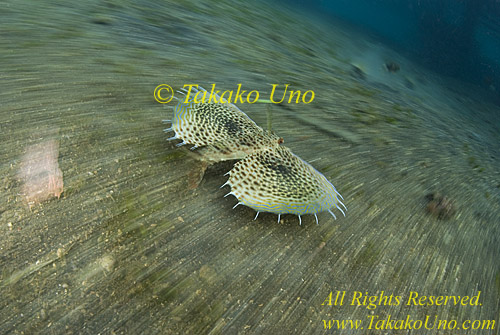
[{"x": 40, "y": 173}]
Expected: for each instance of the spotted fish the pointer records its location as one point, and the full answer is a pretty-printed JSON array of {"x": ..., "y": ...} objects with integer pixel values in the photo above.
[
  {"x": 275, "y": 180},
  {"x": 220, "y": 129},
  {"x": 268, "y": 177}
]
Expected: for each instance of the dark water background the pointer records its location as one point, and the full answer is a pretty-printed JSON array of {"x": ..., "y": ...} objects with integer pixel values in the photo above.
[{"x": 458, "y": 38}]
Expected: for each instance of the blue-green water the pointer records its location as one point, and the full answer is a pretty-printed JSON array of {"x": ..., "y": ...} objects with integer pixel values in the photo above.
[{"x": 132, "y": 247}]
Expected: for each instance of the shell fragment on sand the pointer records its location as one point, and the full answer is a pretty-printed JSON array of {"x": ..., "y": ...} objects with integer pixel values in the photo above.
[{"x": 40, "y": 173}]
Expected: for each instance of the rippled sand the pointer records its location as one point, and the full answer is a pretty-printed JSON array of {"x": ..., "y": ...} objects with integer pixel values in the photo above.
[{"x": 129, "y": 248}]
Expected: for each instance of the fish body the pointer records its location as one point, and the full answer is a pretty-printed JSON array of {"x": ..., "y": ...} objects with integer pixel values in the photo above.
[
  {"x": 220, "y": 129},
  {"x": 277, "y": 181},
  {"x": 268, "y": 177}
]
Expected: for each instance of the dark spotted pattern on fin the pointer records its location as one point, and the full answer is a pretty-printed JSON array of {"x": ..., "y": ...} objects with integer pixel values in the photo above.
[{"x": 268, "y": 177}]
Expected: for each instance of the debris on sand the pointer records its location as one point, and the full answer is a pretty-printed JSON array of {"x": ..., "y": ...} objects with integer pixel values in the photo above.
[
  {"x": 40, "y": 174},
  {"x": 440, "y": 206},
  {"x": 392, "y": 67}
]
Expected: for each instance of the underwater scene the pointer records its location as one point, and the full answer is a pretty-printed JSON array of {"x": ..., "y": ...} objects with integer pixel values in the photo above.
[{"x": 250, "y": 167}]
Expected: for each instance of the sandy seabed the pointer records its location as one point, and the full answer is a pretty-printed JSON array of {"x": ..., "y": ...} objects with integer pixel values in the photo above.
[{"x": 129, "y": 248}]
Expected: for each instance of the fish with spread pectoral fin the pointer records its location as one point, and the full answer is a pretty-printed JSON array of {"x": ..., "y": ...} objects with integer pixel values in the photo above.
[
  {"x": 277, "y": 181},
  {"x": 220, "y": 130},
  {"x": 268, "y": 177}
]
